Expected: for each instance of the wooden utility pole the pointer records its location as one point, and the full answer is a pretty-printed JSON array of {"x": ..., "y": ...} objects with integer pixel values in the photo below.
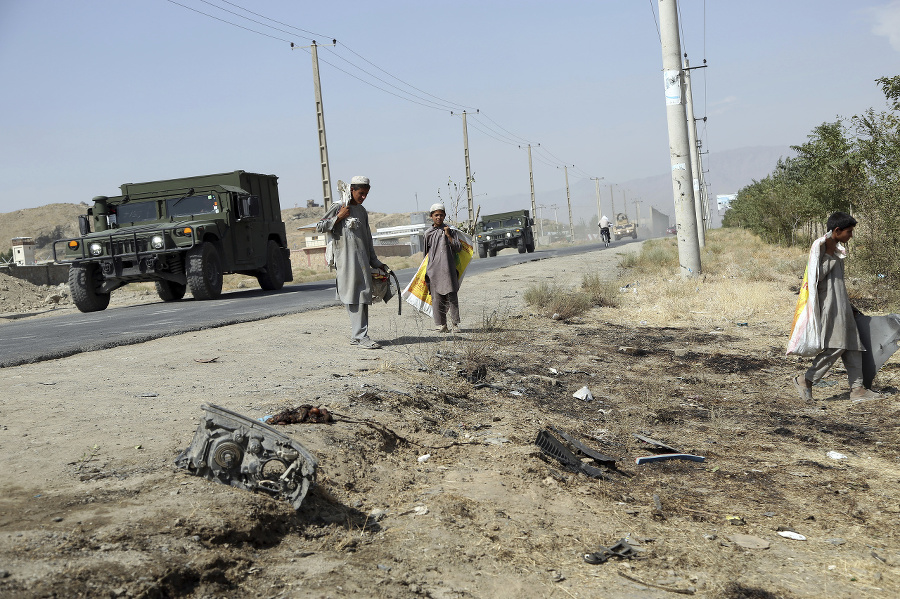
[
  {"x": 320, "y": 116},
  {"x": 679, "y": 150}
]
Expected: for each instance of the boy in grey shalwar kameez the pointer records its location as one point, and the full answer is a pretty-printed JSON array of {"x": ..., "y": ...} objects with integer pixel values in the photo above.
[
  {"x": 839, "y": 332},
  {"x": 354, "y": 256},
  {"x": 441, "y": 245}
]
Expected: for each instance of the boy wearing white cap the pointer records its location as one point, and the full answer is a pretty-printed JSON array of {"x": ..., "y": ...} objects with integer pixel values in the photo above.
[
  {"x": 441, "y": 245},
  {"x": 354, "y": 256}
]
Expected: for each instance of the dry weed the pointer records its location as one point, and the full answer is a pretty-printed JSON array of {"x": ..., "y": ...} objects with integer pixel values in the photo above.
[{"x": 560, "y": 302}]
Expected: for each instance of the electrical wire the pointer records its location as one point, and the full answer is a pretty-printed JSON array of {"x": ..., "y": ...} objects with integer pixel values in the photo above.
[
  {"x": 279, "y": 22},
  {"x": 653, "y": 12},
  {"x": 231, "y": 12},
  {"x": 229, "y": 22}
]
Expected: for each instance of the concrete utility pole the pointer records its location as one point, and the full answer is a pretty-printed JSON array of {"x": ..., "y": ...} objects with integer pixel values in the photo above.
[
  {"x": 695, "y": 152},
  {"x": 320, "y": 116},
  {"x": 612, "y": 203},
  {"x": 637, "y": 213},
  {"x": 596, "y": 181},
  {"x": 679, "y": 150},
  {"x": 531, "y": 180},
  {"x": 468, "y": 174},
  {"x": 569, "y": 200}
]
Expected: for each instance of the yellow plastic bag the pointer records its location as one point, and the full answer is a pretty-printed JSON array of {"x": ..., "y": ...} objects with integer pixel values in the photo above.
[{"x": 417, "y": 293}]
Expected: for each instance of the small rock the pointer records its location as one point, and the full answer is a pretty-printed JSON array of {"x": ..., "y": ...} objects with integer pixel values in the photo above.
[
  {"x": 423, "y": 458},
  {"x": 836, "y": 541},
  {"x": 834, "y": 455},
  {"x": 58, "y": 519},
  {"x": 377, "y": 515},
  {"x": 750, "y": 542},
  {"x": 420, "y": 510},
  {"x": 383, "y": 567},
  {"x": 790, "y": 534},
  {"x": 4, "y": 574}
]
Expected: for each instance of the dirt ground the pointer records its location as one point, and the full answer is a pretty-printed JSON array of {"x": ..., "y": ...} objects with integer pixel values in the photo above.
[{"x": 92, "y": 505}]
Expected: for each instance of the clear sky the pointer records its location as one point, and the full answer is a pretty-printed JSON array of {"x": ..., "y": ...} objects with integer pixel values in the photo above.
[{"x": 101, "y": 92}]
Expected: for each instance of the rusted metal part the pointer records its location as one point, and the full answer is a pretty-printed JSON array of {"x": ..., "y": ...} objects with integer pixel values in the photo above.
[{"x": 241, "y": 452}]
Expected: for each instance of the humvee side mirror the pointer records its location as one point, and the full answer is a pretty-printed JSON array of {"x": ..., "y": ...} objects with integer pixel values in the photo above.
[
  {"x": 248, "y": 206},
  {"x": 84, "y": 224}
]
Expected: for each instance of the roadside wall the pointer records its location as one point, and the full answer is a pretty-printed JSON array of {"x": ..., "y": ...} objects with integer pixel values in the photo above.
[{"x": 39, "y": 274}]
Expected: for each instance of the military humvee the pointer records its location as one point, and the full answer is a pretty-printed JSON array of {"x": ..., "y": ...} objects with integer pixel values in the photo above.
[
  {"x": 182, "y": 234},
  {"x": 506, "y": 230},
  {"x": 624, "y": 227}
]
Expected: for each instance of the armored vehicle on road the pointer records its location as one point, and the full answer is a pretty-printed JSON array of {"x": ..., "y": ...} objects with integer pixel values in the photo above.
[
  {"x": 495, "y": 232},
  {"x": 624, "y": 227},
  {"x": 181, "y": 234}
]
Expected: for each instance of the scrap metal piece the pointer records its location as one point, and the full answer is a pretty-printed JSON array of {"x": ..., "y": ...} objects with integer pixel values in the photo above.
[
  {"x": 235, "y": 450},
  {"x": 661, "y": 457},
  {"x": 591, "y": 453},
  {"x": 658, "y": 444},
  {"x": 553, "y": 447}
]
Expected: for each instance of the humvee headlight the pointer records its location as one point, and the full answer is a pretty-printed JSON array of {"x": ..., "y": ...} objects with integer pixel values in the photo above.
[
  {"x": 73, "y": 245},
  {"x": 488, "y": 237},
  {"x": 156, "y": 242},
  {"x": 509, "y": 234},
  {"x": 96, "y": 249}
]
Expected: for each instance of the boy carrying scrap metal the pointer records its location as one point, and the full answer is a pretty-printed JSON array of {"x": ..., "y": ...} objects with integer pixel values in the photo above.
[
  {"x": 441, "y": 245},
  {"x": 824, "y": 323}
]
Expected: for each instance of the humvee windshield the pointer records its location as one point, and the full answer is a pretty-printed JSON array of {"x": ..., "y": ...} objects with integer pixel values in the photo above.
[
  {"x": 496, "y": 224},
  {"x": 136, "y": 212},
  {"x": 204, "y": 204}
]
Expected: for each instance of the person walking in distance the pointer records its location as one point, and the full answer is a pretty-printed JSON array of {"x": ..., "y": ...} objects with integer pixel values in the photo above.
[
  {"x": 354, "y": 257},
  {"x": 441, "y": 246}
]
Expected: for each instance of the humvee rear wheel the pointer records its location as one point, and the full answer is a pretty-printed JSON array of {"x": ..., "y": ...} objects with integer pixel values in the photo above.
[
  {"x": 273, "y": 278},
  {"x": 634, "y": 235},
  {"x": 204, "y": 271},
  {"x": 84, "y": 279},
  {"x": 482, "y": 251},
  {"x": 530, "y": 247},
  {"x": 170, "y": 291}
]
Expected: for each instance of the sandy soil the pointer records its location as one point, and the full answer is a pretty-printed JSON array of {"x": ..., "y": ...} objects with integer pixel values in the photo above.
[{"x": 93, "y": 506}]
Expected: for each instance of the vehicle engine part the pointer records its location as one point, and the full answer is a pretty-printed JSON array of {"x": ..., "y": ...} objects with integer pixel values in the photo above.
[{"x": 235, "y": 450}]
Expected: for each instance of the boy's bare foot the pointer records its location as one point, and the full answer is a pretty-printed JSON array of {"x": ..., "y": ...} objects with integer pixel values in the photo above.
[{"x": 804, "y": 387}]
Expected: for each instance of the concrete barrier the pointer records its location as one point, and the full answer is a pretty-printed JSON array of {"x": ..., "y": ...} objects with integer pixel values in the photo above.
[{"x": 38, "y": 274}]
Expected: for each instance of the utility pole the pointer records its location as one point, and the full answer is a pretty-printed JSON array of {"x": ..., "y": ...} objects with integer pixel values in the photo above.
[
  {"x": 531, "y": 180},
  {"x": 612, "y": 202},
  {"x": 468, "y": 174},
  {"x": 695, "y": 152},
  {"x": 569, "y": 200},
  {"x": 597, "y": 186},
  {"x": 679, "y": 150},
  {"x": 541, "y": 221},
  {"x": 637, "y": 213},
  {"x": 320, "y": 116}
]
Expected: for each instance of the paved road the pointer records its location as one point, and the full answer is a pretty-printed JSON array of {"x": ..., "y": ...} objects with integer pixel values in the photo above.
[{"x": 33, "y": 340}]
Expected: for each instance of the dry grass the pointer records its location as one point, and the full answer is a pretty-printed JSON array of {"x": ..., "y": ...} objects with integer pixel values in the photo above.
[{"x": 744, "y": 280}]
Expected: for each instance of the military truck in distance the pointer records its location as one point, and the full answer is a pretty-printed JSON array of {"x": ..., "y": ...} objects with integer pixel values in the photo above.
[
  {"x": 624, "y": 227},
  {"x": 495, "y": 232},
  {"x": 181, "y": 234}
]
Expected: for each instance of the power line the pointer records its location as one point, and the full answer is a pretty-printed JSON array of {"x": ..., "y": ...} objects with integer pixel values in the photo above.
[
  {"x": 523, "y": 140},
  {"x": 229, "y": 22},
  {"x": 279, "y": 22},
  {"x": 405, "y": 83},
  {"x": 653, "y": 12},
  {"x": 231, "y": 12}
]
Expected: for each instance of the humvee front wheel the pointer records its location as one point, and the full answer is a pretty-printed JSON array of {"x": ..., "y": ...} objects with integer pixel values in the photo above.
[
  {"x": 530, "y": 247},
  {"x": 273, "y": 278},
  {"x": 492, "y": 252},
  {"x": 83, "y": 282},
  {"x": 482, "y": 251},
  {"x": 521, "y": 245},
  {"x": 204, "y": 271},
  {"x": 170, "y": 291}
]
